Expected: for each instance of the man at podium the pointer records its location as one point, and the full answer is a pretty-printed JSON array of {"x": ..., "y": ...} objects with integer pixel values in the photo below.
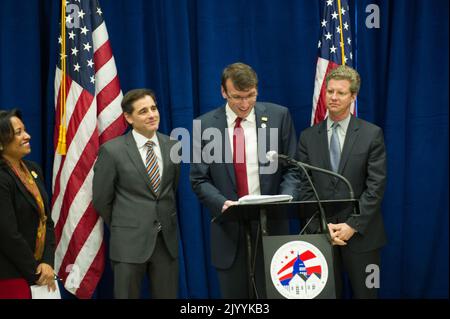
[
  {"x": 243, "y": 124},
  {"x": 355, "y": 149}
]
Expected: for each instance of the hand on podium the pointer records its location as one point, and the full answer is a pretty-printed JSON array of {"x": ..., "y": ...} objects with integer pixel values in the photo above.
[{"x": 227, "y": 204}]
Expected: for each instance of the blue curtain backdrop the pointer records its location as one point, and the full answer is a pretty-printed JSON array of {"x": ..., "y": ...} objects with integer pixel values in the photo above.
[{"x": 179, "y": 48}]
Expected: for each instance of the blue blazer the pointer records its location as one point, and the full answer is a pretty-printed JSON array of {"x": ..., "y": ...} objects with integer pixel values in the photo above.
[{"x": 215, "y": 183}]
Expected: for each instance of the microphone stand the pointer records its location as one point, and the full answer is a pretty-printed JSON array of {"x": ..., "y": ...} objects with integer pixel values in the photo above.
[
  {"x": 323, "y": 220},
  {"x": 304, "y": 166},
  {"x": 324, "y": 171}
]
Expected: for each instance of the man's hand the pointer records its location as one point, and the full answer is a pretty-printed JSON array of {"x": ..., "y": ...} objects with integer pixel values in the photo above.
[
  {"x": 47, "y": 276},
  {"x": 227, "y": 204},
  {"x": 340, "y": 233}
]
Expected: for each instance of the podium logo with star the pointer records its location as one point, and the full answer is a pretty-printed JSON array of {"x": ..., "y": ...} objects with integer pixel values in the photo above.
[{"x": 299, "y": 270}]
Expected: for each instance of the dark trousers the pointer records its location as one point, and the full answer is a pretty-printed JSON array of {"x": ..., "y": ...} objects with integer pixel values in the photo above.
[
  {"x": 355, "y": 265},
  {"x": 234, "y": 280},
  {"x": 162, "y": 271}
]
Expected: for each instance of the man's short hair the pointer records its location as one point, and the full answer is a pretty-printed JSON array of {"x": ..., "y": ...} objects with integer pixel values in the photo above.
[
  {"x": 134, "y": 95},
  {"x": 344, "y": 72},
  {"x": 241, "y": 75}
]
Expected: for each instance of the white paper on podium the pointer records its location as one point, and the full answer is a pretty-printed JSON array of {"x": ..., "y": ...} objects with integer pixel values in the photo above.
[
  {"x": 262, "y": 199},
  {"x": 41, "y": 292}
]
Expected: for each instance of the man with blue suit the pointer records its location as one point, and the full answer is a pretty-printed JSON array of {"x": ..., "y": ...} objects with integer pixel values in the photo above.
[{"x": 247, "y": 128}]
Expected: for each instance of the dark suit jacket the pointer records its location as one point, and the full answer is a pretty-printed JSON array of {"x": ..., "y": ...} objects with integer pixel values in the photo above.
[
  {"x": 363, "y": 163},
  {"x": 122, "y": 195},
  {"x": 215, "y": 183},
  {"x": 19, "y": 221}
]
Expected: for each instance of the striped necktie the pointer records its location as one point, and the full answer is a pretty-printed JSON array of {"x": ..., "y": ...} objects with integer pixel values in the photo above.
[{"x": 151, "y": 165}]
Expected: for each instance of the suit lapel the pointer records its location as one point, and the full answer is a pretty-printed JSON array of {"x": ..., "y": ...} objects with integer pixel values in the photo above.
[
  {"x": 350, "y": 138},
  {"x": 31, "y": 200},
  {"x": 323, "y": 145},
  {"x": 260, "y": 113},
  {"x": 221, "y": 124},
  {"x": 165, "y": 154},
  {"x": 136, "y": 159}
]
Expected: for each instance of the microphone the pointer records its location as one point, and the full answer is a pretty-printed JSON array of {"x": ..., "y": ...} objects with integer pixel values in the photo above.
[{"x": 273, "y": 155}]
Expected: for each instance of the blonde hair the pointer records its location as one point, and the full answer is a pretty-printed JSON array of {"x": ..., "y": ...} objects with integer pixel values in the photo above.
[{"x": 344, "y": 72}]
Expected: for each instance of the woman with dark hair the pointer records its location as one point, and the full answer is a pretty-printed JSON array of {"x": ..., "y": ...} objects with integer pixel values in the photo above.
[{"x": 27, "y": 240}]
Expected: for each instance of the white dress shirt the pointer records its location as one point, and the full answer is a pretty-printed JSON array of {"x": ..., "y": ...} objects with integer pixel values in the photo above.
[
  {"x": 251, "y": 147},
  {"x": 140, "y": 143}
]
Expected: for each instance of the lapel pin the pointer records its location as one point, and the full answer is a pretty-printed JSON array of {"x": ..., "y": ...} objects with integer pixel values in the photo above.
[
  {"x": 264, "y": 120},
  {"x": 34, "y": 174}
]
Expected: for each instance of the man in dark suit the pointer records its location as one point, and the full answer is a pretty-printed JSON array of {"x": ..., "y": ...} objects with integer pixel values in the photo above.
[
  {"x": 134, "y": 190},
  {"x": 248, "y": 129},
  {"x": 355, "y": 149}
]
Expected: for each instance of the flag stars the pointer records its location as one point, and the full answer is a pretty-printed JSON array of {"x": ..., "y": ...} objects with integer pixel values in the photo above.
[
  {"x": 333, "y": 49},
  {"x": 59, "y": 39},
  {"x": 76, "y": 68},
  {"x": 328, "y": 36},
  {"x": 346, "y": 26},
  {"x": 338, "y": 29},
  {"x": 320, "y": 44},
  {"x": 87, "y": 46},
  {"x": 81, "y": 14},
  {"x": 334, "y": 15},
  {"x": 329, "y": 3},
  {"x": 62, "y": 56},
  {"x": 90, "y": 63},
  {"x": 343, "y": 11},
  {"x": 345, "y": 59},
  {"x": 84, "y": 30},
  {"x": 71, "y": 35},
  {"x": 351, "y": 56},
  {"x": 99, "y": 11},
  {"x": 324, "y": 23},
  {"x": 74, "y": 51},
  {"x": 92, "y": 79},
  {"x": 349, "y": 41},
  {"x": 69, "y": 19}
]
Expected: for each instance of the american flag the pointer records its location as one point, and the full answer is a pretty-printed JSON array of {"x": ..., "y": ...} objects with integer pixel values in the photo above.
[
  {"x": 93, "y": 116},
  {"x": 335, "y": 29}
]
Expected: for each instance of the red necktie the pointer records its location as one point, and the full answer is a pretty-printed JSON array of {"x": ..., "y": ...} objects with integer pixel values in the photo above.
[{"x": 239, "y": 163}]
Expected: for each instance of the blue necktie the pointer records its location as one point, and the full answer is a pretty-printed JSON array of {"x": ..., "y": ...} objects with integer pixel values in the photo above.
[
  {"x": 152, "y": 167},
  {"x": 335, "y": 148}
]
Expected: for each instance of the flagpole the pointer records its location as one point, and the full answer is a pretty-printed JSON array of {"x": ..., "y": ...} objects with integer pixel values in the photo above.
[
  {"x": 62, "y": 143},
  {"x": 341, "y": 33}
]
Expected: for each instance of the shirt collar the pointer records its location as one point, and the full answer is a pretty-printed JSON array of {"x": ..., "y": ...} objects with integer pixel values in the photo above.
[
  {"x": 141, "y": 140},
  {"x": 343, "y": 124},
  {"x": 231, "y": 116}
]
